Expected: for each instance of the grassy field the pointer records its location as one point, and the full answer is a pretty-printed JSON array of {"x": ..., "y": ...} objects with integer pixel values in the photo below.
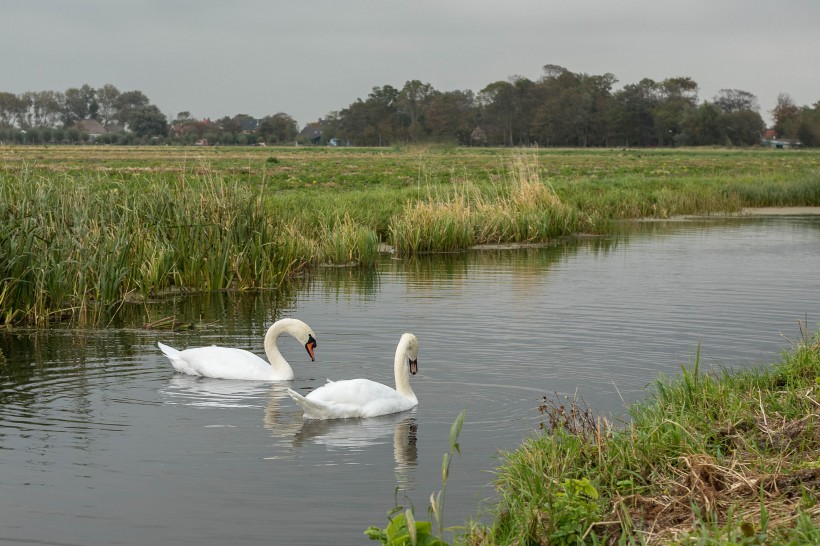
[{"x": 85, "y": 228}]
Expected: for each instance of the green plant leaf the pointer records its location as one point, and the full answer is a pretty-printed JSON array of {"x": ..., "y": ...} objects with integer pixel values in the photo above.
[
  {"x": 455, "y": 430},
  {"x": 396, "y": 528},
  {"x": 374, "y": 533}
]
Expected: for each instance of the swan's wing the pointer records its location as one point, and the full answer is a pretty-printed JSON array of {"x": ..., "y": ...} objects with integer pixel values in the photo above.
[
  {"x": 372, "y": 398},
  {"x": 357, "y": 392},
  {"x": 220, "y": 363}
]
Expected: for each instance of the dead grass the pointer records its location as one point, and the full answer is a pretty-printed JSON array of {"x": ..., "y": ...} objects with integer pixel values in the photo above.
[{"x": 736, "y": 488}]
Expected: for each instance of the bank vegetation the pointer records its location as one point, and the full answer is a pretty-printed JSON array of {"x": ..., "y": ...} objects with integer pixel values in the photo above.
[
  {"x": 83, "y": 230},
  {"x": 725, "y": 458}
]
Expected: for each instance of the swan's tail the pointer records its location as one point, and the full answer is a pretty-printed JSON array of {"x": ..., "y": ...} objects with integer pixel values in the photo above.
[
  {"x": 176, "y": 361},
  {"x": 312, "y": 409},
  {"x": 170, "y": 352}
]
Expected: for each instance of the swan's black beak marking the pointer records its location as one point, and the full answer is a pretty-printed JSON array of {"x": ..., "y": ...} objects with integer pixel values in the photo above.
[
  {"x": 310, "y": 346},
  {"x": 414, "y": 366}
]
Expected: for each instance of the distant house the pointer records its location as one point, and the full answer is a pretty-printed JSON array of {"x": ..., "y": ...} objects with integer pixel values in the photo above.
[
  {"x": 312, "y": 132},
  {"x": 769, "y": 139},
  {"x": 183, "y": 128},
  {"x": 249, "y": 125},
  {"x": 93, "y": 127}
]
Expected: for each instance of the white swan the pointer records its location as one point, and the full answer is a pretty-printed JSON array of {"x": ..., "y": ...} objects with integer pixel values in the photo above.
[
  {"x": 230, "y": 363},
  {"x": 363, "y": 397}
]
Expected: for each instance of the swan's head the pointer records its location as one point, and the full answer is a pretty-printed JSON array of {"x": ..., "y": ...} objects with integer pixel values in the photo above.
[
  {"x": 411, "y": 350},
  {"x": 303, "y": 333}
]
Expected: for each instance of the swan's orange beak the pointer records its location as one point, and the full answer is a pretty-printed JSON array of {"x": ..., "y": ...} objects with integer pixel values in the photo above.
[
  {"x": 414, "y": 366},
  {"x": 310, "y": 346}
]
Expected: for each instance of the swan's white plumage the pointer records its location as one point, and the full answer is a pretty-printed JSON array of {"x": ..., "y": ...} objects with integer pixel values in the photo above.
[
  {"x": 363, "y": 397},
  {"x": 231, "y": 363}
]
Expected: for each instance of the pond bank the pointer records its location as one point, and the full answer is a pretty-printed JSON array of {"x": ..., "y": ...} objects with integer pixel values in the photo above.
[
  {"x": 779, "y": 211},
  {"x": 731, "y": 458}
]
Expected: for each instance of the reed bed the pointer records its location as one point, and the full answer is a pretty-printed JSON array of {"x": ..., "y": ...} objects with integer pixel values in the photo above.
[
  {"x": 723, "y": 458},
  {"x": 74, "y": 246}
]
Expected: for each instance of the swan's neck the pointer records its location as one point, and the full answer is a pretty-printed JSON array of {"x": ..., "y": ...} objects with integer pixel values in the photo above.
[
  {"x": 402, "y": 371},
  {"x": 278, "y": 363}
]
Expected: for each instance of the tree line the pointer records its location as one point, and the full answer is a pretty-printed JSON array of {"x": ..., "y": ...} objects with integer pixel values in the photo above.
[
  {"x": 44, "y": 117},
  {"x": 561, "y": 108},
  {"x": 564, "y": 108}
]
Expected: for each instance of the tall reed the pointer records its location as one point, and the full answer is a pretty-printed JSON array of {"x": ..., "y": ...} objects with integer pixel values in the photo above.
[
  {"x": 75, "y": 245},
  {"x": 522, "y": 208}
]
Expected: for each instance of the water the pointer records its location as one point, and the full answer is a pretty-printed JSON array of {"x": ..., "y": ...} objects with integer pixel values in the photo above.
[{"x": 100, "y": 443}]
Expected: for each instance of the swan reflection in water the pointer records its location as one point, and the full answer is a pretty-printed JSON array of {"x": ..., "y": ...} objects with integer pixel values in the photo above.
[
  {"x": 283, "y": 419},
  {"x": 187, "y": 390},
  {"x": 360, "y": 434}
]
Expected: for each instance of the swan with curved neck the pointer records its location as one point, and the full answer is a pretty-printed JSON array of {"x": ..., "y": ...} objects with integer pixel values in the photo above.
[
  {"x": 231, "y": 363},
  {"x": 363, "y": 397}
]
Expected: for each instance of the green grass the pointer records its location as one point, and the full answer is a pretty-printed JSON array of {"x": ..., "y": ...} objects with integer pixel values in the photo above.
[
  {"x": 728, "y": 458},
  {"x": 84, "y": 228}
]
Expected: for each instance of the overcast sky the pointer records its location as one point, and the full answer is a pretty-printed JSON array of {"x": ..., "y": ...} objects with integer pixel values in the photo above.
[{"x": 310, "y": 57}]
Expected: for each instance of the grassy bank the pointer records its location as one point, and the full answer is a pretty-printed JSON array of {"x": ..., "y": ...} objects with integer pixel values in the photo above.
[
  {"x": 85, "y": 228},
  {"x": 732, "y": 458}
]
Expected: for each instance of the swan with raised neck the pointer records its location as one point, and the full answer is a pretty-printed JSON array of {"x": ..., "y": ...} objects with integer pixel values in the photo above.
[
  {"x": 408, "y": 348},
  {"x": 363, "y": 397}
]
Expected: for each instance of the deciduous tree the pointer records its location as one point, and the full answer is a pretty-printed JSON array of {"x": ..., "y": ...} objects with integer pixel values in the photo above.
[
  {"x": 785, "y": 115},
  {"x": 148, "y": 121},
  {"x": 412, "y": 102},
  {"x": 46, "y": 108},
  {"x": 107, "y": 97},
  {"x": 127, "y": 104},
  {"x": 736, "y": 100},
  {"x": 278, "y": 128},
  {"x": 79, "y": 103},
  {"x": 451, "y": 116},
  {"x": 632, "y": 118}
]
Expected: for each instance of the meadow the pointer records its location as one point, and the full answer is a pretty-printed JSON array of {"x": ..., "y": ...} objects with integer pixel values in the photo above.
[{"x": 83, "y": 229}]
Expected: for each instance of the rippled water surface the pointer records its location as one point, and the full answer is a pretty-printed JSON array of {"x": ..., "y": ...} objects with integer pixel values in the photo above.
[{"x": 100, "y": 443}]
